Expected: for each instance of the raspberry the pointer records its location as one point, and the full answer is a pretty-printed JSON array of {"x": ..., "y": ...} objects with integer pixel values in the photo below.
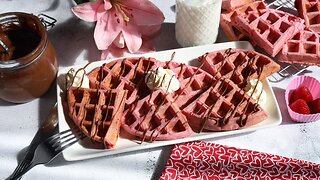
[
  {"x": 300, "y": 106},
  {"x": 314, "y": 106},
  {"x": 302, "y": 92}
]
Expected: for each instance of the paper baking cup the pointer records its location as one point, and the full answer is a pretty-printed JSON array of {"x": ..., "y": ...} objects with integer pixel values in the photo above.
[{"x": 313, "y": 85}]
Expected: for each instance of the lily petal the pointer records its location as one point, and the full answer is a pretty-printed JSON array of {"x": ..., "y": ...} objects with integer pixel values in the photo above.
[
  {"x": 87, "y": 11},
  {"x": 107, "y": 29},
  {"x": 132, "y": 37},
  {"x": 115, "y": 52},
  {"x": 145, "y": 12}
]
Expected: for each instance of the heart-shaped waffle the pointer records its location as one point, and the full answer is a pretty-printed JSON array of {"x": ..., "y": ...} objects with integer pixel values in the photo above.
[
  {"x": 239, "y": 65},
  {"x": 223, "y": 106},
  {"x": 159, "y": 115}
]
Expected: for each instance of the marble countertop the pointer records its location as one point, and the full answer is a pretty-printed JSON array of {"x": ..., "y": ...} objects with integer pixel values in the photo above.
[{"x": 73, "y": 40}]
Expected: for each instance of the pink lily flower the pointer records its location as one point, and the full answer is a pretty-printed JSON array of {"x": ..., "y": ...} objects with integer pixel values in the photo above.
[{"x": 122, "y": 25}]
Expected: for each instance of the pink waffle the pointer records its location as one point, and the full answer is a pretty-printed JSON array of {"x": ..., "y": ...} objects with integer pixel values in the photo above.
[
  {"x": 232, "y": 4},
  {"x": 302, "y": 48},
  {"x": 309, "y": 10},
  {"x": 223, "y": 106},
  {"x": 159, "y": 115},
  {"x": 269, "y": 28},
  {"x": 232, "y": 30},
  {"x": 97, "y": 113},
  {"x": 239, "y": 65},
  {"x": 143, "y": 117},
  {"x": 151, "y": 118},
  {"x": 118, "y": 87}
]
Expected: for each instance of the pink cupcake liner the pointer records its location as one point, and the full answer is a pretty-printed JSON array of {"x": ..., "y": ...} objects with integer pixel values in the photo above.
[{"x": 314, "y": 86}]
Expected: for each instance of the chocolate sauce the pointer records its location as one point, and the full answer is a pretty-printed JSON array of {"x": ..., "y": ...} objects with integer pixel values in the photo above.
[{"x": 23, "y": 40}]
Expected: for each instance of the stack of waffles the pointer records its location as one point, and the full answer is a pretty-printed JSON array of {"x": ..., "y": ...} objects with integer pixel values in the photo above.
[
  {"x": 212, "y": 100},
  {"x": 274, "y": 31}
]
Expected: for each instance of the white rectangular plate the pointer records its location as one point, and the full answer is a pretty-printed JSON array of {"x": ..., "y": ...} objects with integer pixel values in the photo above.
[{"x": 183, "y": 55}]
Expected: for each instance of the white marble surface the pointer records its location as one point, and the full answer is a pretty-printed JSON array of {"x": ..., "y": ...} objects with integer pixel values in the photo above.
[{"x": 74, "y": 44}]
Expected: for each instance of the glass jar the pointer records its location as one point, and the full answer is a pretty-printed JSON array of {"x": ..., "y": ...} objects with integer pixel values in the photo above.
[{"x": 30, "y": 65}]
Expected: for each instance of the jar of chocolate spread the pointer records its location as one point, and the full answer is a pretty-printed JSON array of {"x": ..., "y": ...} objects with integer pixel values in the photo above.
[{"x": 28, "y": 63}]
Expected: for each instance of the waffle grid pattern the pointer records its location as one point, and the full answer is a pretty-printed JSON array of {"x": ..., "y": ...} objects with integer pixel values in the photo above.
[
  {"x": 150, "y": 115},
  {"x": 223, "y": 107},
  {"x": 98, "y": 113},
  {"x": 309, "y": 10},
  {"x": 239, "y": 65}
]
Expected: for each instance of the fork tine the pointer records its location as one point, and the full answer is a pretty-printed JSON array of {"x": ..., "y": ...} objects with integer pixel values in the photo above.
[
  {"x": 64, "y": 139},
  {"x": 67, "y": 143},
  {"x": 54, "y": 137}
]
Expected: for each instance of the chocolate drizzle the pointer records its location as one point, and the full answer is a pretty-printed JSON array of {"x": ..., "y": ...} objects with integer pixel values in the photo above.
[
  {"x": 157, "y": 106},
  {"x": 206, "y": 116}
]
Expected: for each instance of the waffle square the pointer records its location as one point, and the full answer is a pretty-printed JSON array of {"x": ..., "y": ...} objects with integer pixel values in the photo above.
[
  {"x": 269, "y": 28},
  {"x": 309, "y": 10},
  {"x": 239, "y": 65},
  {"x": 231, "y": 28},
  {"x": 302, "y": 48},
  {"x": 97, "y": 113}
]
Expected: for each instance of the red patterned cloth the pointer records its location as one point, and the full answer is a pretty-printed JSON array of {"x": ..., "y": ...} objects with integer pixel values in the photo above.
[{"x": 201, "y": 160}]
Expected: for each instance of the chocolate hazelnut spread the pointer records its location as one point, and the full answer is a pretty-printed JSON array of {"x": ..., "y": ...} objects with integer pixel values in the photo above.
[{"x": 29, "y": 66}]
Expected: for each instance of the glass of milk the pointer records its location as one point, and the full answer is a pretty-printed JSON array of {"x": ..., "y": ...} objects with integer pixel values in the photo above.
[{"x": 197, "y": 21}]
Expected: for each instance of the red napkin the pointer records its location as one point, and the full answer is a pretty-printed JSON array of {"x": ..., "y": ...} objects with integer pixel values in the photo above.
[{"x": 202, "y": 160}]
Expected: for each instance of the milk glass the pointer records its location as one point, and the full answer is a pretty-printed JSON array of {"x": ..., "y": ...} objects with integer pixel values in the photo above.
[{"x": 197, "y": 21}]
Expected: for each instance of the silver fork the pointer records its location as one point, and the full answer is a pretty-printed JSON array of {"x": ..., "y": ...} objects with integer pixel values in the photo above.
[
  {"x": 48, "y": 150},
  {"x": 47, "y": 129}
]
